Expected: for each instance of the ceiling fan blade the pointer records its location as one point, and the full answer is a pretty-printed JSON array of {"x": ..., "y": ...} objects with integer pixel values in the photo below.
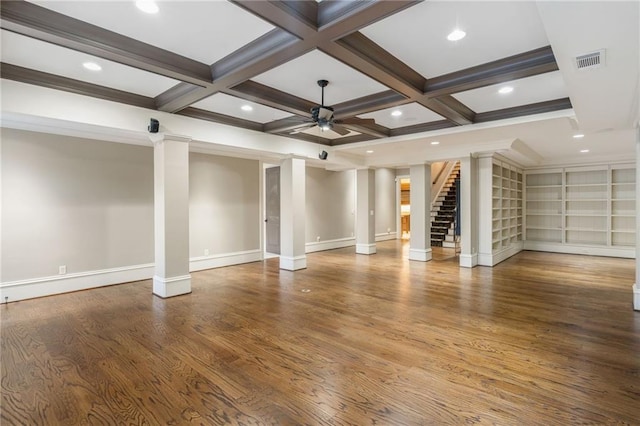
[
  {"x": 356, "y": 120},
  {"x": 340, "y": 130},
  {"x": 301, "y": 128}
]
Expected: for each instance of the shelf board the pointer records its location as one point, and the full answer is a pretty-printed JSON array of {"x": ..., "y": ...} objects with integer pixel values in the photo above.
[
  {"x": 544, "y": 214},
  {"x": 573, "y": 185},
  {"x": 543, "y": 228},
  {"x": 622, "y": 215},
  {"x": 624, "y": 231},
  {"x": 543, "y": 186},
  {"x": 623, "y": 183},
  {"x": 583, "y": 200},
  {"x": 585, "y": 230},
  {"x": 623, "y": 199},
  {"x": 544, "y": 201},
  {"x": 585, "y": 215}
]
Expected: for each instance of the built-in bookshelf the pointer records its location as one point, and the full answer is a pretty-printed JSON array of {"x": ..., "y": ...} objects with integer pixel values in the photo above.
[
  {"x": 581, "y": 210},
  {"x": 503, "y": 236}
]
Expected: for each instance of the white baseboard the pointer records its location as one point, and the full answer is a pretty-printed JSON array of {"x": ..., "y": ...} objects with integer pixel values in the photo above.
[
  {"x": 224, "y": 259},
  {"x": 386, "y": 236},
  {"x": 626, "y": 252},
  {"x": 56, "y": 284},
  {"x": 173, "y": 286},
  {"x": 329, "y": 244},
  {"x": 636, "y": 297},
  {"x": 468, "y": 260},
  {"x": 366, "y": 248},
  {"x": 293, "y": 263},
  {"x": 421, "y": 255},
  {"x": 492, "y": 259}
]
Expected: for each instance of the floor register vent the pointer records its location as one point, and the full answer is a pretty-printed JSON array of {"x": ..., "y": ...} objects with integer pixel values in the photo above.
[{"x": 590, "y": 61}]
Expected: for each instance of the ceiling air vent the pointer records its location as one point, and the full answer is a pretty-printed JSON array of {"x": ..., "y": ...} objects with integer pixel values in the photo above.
[{"x": 591, "y": 60}]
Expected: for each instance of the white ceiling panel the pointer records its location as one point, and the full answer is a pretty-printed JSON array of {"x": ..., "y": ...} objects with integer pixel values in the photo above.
[
  {"x": 230, "y": 105},
  {"x": 299, "y": 77},
  {"x": 418, "y": 35},
  {"x": 412, "y": 113},
  {"x": 31, "y": 53},
  {"x": 205, "y": 31},
  {"x": 539, "y": 88}
]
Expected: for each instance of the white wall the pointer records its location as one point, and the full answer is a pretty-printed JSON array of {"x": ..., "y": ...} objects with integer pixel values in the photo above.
[
  {"x": 386, "y": 207},
  {"x": 88, "y": 205},
  {"x": 224, "y": 204},
  {"x": 81, "y": 203},
  {"x": 330, "y": 205}
]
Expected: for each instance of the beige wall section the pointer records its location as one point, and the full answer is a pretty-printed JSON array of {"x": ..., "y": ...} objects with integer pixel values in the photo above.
[
  {"x": 330, "y": 204},
  {"x": 81, "y": 203},
  {"x": 224, "y": 206},
  {"x": 385, "y": 201}
]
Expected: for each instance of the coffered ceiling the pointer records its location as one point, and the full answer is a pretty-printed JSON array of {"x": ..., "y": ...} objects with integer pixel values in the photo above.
[{"x": 255, "y": 64}]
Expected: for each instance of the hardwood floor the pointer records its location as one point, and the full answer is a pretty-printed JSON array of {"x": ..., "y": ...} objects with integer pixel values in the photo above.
[{"x": 539, "y": 339}]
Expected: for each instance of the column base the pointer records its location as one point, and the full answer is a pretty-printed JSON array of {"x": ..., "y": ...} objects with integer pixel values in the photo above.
[
  {"x": 468, "y": 260},
  {"x": 293, "y": 263},
  {"x": 366, "y": 248},
  {"x": 170, "y": 287},
  {"x": 421, "y": 255},
  {"x": 636, "y": 297}
]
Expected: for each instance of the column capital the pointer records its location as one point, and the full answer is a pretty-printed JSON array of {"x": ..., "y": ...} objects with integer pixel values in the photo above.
[{"x": 158, "y": 138}]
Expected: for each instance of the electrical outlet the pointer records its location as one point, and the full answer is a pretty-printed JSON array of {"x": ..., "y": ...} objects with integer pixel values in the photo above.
[
  {"x": 388, "y": 230},
  {"x": 206, "y": 252},
  {"x": 318, "y": 238},
  {"x": 62, "y": 269}
]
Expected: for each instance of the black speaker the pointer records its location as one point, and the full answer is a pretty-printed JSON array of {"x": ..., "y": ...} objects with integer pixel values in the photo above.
[
  {"x": 323, "y": 155},
  {"x": 154, "y": 126}
]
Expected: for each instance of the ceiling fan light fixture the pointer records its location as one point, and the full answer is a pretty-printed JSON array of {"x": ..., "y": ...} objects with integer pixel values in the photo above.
[{"x": 324, "y": 124}]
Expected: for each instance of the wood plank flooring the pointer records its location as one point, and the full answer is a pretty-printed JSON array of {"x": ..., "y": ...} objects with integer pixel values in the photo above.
[{"x": 541, "y": 339}]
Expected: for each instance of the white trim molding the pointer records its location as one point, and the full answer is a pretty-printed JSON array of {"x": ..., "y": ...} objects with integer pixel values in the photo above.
[
  {"x": 492, "y": 259},
  {"x": 387, "y": 236},
  {"x": 366, "y": 248},
  {"x": 170, "y": 287},
  {"x": 468, "y": 260},
  {"x": 293, "y": 263},
  {"x": 636, "y": 297},
  {"x": 57, "y": 284},
  {"x": 224, "y": 259},
  {"x": 329, "y": 244},
  {"x": 624, "y": 252},
  {"x": 421, "y": 255}
]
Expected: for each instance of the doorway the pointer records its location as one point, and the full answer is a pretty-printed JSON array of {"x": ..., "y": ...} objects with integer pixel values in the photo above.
[
  {"x": 404, "y": 208},
  {"x": 272, "y": 211}
]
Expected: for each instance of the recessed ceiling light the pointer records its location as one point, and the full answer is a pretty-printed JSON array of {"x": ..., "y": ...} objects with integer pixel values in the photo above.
[
  {"x": 92, "y": 66},
  {"x": 435, "y": 143},
  {"x": 246, "y": 108},
  {"x": 578, "y": 136},
  {"x": 396, "y": 113},
  {"x": 147, "y": 6},
  {"x": 584, "y": 151},
  {"x": 506, "y": 89},
  {"x": 369, "y": 151},
  {"x": 456, "y": 35}
]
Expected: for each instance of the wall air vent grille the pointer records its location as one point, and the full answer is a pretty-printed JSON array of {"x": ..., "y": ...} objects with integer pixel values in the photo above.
[{"x": 591, "y": 60}]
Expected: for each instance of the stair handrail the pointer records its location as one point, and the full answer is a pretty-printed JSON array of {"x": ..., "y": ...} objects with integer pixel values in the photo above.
[{"x": 441, "y": 178}]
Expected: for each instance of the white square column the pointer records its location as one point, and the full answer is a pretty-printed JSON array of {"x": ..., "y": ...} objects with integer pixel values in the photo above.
[
  {"x": 365, "y": 211},
  {"x": 292, "y": 214},
  {"x": 636, "y": 286},
  {"x": 171, "y": 215},
  {"x": 420, "y": 198},
  {"x": 474, "y": 208}
]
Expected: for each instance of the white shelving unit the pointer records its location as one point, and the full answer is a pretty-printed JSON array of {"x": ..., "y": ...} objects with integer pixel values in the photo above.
[
  {"x": 583, "y": 210},
  {"x": 501, "y": 230}
]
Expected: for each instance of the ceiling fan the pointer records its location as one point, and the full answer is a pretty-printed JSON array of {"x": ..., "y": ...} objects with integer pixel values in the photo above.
[{"x": 322, "y": 116}]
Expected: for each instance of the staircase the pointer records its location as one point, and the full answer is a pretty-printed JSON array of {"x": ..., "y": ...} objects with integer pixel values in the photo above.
[{"x": 443, "y": 212}]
